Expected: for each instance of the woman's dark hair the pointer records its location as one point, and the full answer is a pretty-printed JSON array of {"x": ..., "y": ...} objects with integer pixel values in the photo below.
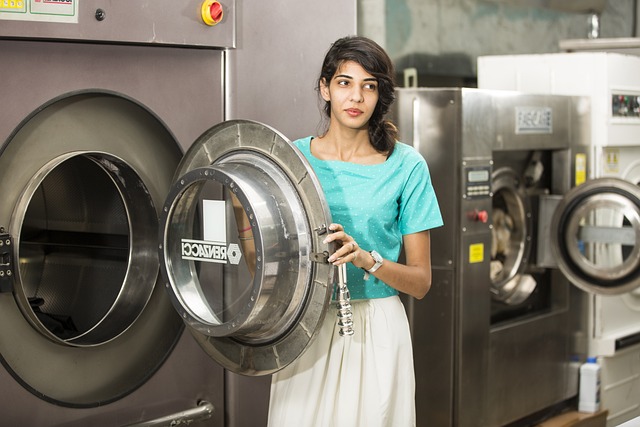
[{"x": 376, "y": 62}]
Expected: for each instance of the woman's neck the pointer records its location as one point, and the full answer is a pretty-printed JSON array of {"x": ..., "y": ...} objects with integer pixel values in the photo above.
[{"x": 348, "y": 145}]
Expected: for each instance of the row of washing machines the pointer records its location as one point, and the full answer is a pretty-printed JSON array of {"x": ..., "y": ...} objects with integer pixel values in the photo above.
[
  {"x": 127, "y": 170},
  {"x": 538, "y": 264}
]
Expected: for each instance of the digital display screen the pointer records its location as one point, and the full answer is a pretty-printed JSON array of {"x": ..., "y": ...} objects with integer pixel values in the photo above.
[{"x": 478, "y": 175}]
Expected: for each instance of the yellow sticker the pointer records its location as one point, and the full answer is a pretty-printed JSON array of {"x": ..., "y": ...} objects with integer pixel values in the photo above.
[
  {"x": 611, "y": 160},
  {"x": 581, "y": 168},
  {"x": 476, "y": 253}
]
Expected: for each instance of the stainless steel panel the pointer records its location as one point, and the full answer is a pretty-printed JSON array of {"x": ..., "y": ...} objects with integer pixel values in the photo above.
[
  {"x": 38, "y": 75},
  {"x": 544, "y": 255},
  {"x": 173, "y": 388},
  {"x": 277, "y": 61},
  {"x": 464, "y": 134},
  {"x": 430, "y": 122},
  {"x": 157, "y": 22},
  {"x": 154, "y": 78},
  {"x": 528, "y": 359},
  {"x": 432, "y": 328}
]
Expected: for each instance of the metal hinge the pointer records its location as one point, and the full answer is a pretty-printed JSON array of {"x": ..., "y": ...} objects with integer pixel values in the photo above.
[
  {"x": 6, "y": 263},
  {"x": 319, "y": 257}
]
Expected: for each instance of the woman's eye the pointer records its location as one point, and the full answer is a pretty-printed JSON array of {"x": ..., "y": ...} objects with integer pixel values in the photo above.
[
  {"x": 343, "y": 82},
  {"x": 371, "y": 87}
]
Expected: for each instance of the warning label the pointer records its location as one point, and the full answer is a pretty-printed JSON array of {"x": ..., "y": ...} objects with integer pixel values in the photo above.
[{"x": 39, "y": 10}]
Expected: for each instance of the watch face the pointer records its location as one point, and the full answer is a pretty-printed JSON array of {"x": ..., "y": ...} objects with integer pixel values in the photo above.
[{"x": 376, "y": 256}]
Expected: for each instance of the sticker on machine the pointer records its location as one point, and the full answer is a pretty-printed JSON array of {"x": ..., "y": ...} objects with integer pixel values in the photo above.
[
  {"x": 476, "y": 253},
  {"x": 534, "y": 120},
  {"x": 214, "y": 246},
  {"x": 60, "y": 11},
  {"x": 611, "y": 160}
]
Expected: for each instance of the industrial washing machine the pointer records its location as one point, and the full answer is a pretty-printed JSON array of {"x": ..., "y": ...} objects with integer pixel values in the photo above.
[
  {"x": 612, "y": 82},
  {"x": 101, "y": 102},
  {"x": 497, "y": 341}
]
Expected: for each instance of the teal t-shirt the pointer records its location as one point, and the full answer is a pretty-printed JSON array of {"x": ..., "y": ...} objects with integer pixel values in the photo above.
[{"x": 377, "y": 205}]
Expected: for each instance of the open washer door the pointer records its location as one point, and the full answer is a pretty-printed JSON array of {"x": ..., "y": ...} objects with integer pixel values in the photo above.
[
  {"x": 595, "y": 236},
  {"x": 241, "y": 247}
]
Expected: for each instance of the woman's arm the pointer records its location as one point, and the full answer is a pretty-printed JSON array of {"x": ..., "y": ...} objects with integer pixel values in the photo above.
[{"x": 413, "y": 278}]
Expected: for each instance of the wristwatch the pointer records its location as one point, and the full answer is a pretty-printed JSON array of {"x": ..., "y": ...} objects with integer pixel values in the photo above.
[{"x": 378, "y": 259}]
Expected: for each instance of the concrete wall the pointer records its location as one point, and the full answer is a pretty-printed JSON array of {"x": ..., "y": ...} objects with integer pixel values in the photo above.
[{"x": 443, "y": 38}]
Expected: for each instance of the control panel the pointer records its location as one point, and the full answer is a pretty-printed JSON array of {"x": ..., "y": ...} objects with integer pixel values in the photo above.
[
  {"x": 477, "y": 181},
  {"x": 189, "y": 23},
  {"x": 625, "y": 105}
]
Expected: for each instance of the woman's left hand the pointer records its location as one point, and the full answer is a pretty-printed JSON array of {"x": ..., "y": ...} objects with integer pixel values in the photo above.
[{"x": 349, "y": 250}]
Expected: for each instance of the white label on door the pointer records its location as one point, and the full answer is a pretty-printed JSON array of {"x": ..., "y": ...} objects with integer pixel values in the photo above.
[{"x": 214, "y": 221}]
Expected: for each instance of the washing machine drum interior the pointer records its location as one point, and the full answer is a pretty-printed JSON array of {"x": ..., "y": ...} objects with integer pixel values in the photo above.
[{"x": 511, "y": 239}]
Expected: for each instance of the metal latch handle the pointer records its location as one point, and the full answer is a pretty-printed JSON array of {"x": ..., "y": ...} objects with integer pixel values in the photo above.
[{"x": 345, "y": 315}]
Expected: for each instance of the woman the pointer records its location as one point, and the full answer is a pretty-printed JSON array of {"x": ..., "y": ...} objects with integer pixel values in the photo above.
[{"x": 381, "y": 199}]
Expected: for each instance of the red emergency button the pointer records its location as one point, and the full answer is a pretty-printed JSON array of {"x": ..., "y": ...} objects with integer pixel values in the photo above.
[
  {"x": 212, "y": 12},
  {"x": 482, "y": 216}
]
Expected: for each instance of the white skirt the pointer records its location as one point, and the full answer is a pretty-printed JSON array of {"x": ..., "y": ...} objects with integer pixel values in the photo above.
[{"x": 365, "y": 380}]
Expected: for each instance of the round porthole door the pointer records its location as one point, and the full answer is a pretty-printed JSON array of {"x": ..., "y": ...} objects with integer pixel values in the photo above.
[
  {"x": 595, "y": 235},
  {"x": 241, "y": 247}
]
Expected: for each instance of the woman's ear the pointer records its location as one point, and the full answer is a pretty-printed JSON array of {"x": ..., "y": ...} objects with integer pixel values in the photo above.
[{"x": 324, "y": 90}]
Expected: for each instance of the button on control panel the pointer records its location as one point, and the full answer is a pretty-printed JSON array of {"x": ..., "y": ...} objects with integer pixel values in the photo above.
[{"x": 477, "y": 181}]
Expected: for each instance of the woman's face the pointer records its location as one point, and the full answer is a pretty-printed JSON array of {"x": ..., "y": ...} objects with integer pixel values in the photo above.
[{"x": 353, "y": 94}]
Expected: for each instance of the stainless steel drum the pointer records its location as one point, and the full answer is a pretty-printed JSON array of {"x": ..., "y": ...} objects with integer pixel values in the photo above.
[
  {"x": 84, "y": 251},
  {"x": 253, "y": 303}
]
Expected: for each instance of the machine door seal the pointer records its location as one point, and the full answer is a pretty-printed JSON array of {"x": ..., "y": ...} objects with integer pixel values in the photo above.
[
  {"x": 595, "y": 236},
  {"x": 241, "y": 247}
]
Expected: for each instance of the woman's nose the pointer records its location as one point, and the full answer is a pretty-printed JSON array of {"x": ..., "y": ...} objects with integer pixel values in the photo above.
[{"x": 356, "y": 95}]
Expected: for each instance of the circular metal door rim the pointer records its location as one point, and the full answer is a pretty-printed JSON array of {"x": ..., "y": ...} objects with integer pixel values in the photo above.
[
  {"x": 581, "y": 199},
  {"x": 142, "y": 263},
  {"x": 67, "y": 375},
  {"x": 581, "y": 211},
  {"x": 219, "y": 145},
  {"x": 256, "y": 321}
]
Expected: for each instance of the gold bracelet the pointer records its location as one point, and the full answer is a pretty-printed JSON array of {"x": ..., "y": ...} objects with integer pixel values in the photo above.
[{"x": 245, "y": 238}]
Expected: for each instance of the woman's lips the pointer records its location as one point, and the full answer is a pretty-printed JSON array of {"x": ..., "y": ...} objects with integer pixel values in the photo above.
[{"x": 354, "y": 112}]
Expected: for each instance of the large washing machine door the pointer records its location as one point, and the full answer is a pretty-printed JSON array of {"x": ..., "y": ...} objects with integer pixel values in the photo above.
[
  {"x": 595, "y": 236},
  {"x": 241, "y": 246}
]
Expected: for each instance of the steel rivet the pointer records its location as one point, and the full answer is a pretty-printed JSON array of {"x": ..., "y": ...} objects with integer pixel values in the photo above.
[{"x": 100, "y": 14}]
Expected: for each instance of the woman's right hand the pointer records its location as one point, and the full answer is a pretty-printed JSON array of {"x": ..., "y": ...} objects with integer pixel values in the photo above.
[{"x": 349, "y": 250}]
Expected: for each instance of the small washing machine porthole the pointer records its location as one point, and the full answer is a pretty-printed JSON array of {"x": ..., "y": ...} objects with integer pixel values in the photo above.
[
  {"x": 596, "y": 236},
  {"x": 84, "y": 322}
]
